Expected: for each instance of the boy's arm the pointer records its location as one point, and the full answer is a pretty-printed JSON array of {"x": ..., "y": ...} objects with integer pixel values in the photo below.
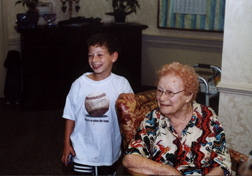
[
  {"x": 67, "y": 143},
  {"x": 126, "y": 96}
]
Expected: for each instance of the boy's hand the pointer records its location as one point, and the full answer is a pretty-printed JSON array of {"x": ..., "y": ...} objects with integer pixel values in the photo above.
[
  {"x": 66, "y": 151},
  {"x": 127, "y": 97}
]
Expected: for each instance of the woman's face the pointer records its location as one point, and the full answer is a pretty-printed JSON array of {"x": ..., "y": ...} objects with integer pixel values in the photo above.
[{"x": 172, "y": 105}]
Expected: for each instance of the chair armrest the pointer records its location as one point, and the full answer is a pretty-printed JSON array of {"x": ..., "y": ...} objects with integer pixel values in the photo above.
[{"x": 237, "y": 157}]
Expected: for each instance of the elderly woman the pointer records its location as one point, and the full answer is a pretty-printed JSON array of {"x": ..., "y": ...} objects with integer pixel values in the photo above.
[{"x": 180, "y": 137}]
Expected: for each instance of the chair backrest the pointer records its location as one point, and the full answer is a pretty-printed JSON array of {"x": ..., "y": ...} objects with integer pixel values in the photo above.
[{"x": 130, "y": 115}]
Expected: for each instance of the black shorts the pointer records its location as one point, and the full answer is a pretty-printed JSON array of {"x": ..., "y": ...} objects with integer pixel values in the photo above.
[{"x": 80, "y": 169}]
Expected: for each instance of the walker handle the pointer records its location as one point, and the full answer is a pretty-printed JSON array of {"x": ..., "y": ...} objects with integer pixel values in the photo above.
[
  {"x": 207, "y": 66},
  {"x": 204, "y": 65}
]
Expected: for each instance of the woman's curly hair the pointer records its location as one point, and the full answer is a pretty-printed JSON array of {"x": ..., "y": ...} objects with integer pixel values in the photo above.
[{"x": 186, "y": 72}]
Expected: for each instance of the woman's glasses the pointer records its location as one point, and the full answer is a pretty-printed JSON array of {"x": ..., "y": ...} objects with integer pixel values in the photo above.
[{"x": 168, "y": 93}]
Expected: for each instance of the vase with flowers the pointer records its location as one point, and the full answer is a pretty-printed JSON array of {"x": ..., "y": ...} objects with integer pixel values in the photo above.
[
  {"x": 30, "y": 4},
  {"x": 122, "y": 8}
]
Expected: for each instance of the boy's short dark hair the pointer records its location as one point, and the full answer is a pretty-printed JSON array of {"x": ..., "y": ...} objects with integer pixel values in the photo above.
[{"x": 106, "y": 40}]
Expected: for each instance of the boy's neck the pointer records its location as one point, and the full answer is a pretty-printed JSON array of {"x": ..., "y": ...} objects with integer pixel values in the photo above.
[{"x": 97, "y": 77}]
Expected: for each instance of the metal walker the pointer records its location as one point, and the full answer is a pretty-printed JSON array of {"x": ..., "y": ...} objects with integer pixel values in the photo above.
[{"x": 210, "y": 91}]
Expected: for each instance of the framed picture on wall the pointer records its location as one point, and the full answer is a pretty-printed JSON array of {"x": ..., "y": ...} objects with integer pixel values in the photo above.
[
  {"x": 206, "y": 15},
  {"x": 44, "y": 8}
]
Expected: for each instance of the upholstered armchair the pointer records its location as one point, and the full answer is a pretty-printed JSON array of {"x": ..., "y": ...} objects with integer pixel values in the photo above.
[{"x": 130, "y": 116}]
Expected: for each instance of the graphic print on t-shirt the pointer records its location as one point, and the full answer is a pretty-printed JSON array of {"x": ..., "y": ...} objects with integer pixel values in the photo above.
[{"x": 97, "y": 104}]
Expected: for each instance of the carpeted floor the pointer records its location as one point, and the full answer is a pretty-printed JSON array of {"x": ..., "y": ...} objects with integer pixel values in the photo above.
[{"x": 31, "y": 142}]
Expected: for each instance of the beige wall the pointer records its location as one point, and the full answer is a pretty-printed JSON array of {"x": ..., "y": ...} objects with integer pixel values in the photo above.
[
  {"x": 158, "y": 51},
  {"x": 2, "y": 56},
  {"x": 235, "y": 110},
  {"x": 187, "y": 47},
  {"x": 147, "y": 14},
  {"x": 3, "y": 43},
  {"x": 162, "y": 45}
]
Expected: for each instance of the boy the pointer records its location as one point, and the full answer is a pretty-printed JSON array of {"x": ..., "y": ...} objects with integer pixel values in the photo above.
[{"x": 91, "y": 121}]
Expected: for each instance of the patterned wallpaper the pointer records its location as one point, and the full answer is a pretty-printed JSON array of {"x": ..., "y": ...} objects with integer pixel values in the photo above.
[
  {"x": 237, "y": 45},
  {"x": 147, "y": 14},
  {"x": 235, "y": 116},
  {"x": 235, "y": 110}
]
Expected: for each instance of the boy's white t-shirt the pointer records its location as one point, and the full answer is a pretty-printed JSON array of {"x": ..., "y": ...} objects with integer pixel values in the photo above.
[{"x": 96, "y": 137}]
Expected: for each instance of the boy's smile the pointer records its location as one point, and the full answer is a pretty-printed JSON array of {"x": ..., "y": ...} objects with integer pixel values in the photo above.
[
  {"x": 96, "y": 66},
  {"x": 101, "y": 62}
]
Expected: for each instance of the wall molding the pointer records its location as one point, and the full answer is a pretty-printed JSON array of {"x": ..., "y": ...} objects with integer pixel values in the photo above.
[
  {"x": 183, "y": 41},
  {"x": 235, "y": 88}
]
